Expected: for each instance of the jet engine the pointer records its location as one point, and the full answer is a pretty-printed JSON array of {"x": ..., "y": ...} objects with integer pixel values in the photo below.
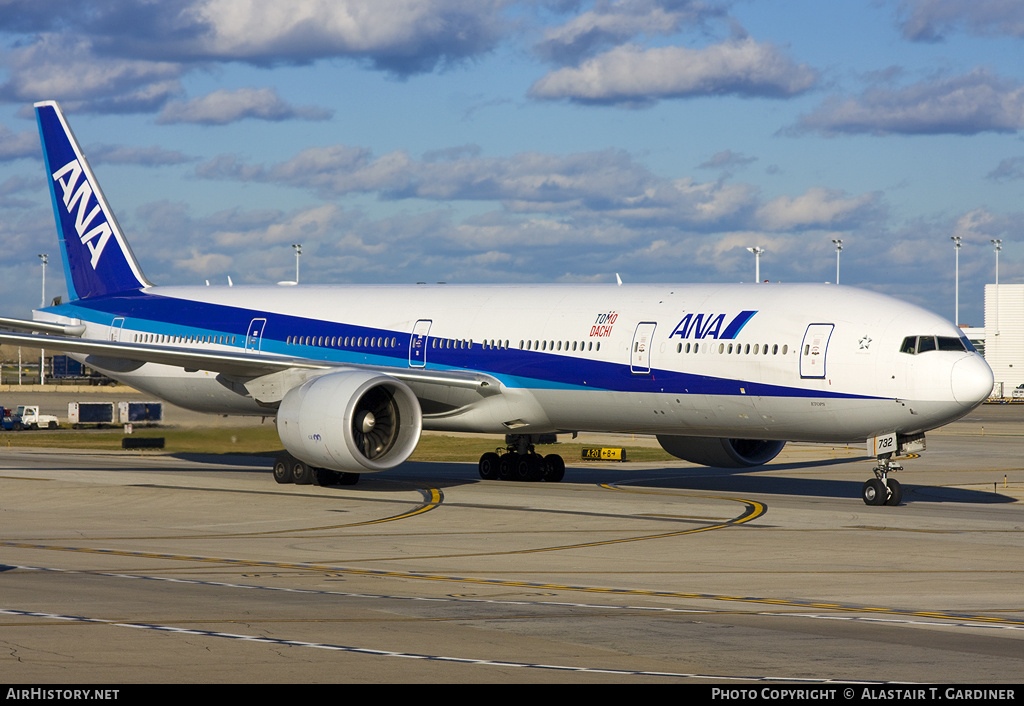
[
  {"x": 721, "y": 453},
  {"x": 352, "y": 421}
]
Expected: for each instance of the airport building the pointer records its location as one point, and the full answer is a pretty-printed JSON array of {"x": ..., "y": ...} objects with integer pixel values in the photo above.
[{"x": 1004, "y": 336}]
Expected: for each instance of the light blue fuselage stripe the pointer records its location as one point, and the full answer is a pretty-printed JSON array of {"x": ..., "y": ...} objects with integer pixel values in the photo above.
[{"x": 159, "y": 315}]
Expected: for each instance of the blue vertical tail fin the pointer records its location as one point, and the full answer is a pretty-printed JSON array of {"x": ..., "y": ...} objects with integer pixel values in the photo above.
[{"x": 97, "y": 258}]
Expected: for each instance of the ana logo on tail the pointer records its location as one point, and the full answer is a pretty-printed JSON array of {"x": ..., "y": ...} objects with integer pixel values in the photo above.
[
  {"x": 97, "y": 258},
  {"x": 93, "y": 237}
]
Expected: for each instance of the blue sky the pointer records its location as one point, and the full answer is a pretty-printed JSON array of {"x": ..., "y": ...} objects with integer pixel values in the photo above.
[{"x": 528, "y": 141}]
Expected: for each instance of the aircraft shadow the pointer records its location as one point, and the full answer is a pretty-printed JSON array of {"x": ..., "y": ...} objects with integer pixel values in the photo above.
[
  {"x": 722, "y": 480},
  {"x": 738, "y": 481}
]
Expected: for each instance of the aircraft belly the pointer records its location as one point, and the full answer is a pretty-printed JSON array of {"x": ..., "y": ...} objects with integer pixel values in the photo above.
[
  {"x": 198, "y": 391},
  {"x": 737, "y": 416}
]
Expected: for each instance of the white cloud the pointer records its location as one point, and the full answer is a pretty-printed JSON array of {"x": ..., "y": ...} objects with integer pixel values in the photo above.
[
  {"x": 816, "y": 208},
  {"x": 633, "y": 75},
  {"x": 122, "y": 57},
  {"x": 965, "y": 105},
  {"x": 222, "y": 107},
  {"x": 56, "y": 67},
  {"x": 930, "y": 20},
  {"x": 608, "y": 184},
  {"x": 18, "y": 145},
  {"x": 145, "y": 156},
  {"x": 400, "y": 35},
  {"x": 726, "y": 159},
  {"x": 204, "y": 264},
  {"x": 1009, "y": 169},
  {"x": 608, "y": 24}
]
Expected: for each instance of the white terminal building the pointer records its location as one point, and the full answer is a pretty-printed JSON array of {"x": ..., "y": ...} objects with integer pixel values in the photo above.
[{"x": 1001, "y": 340}]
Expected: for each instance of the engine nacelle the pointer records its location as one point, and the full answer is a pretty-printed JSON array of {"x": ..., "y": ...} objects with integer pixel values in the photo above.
[
  {"x": 721, "y": 453},
  {"x": 352, "y": 421}
]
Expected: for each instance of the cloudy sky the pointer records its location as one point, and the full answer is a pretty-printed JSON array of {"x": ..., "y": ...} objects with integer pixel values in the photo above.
[{"x": 528, "y": 140}]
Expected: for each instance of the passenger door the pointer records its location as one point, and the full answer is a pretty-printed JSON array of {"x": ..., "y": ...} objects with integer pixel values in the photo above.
[
  {"x": 640, "y": 353},
  {"x": 115, "y": 328},
  {"x": 813, "y": 350},
  {"x": 418, "y": 344},
  {"x": 254, "y": 335}
]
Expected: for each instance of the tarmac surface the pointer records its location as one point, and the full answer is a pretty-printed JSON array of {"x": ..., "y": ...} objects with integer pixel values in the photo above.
[{"x": 121, "y": 567}]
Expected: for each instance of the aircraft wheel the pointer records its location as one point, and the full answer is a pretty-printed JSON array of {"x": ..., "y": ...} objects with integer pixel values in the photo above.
[
  {"x": 895, "y": 493},
  {"x": 874, "y": 492},
  {"x": 347, "y": 478},
  {"x": 554, "y": 468},
  {"x": 529, "y": 468},
  {"x": 506, "y": 463},
  {"x": 489, "y": 465},
  {"x": 301, "y": 473},
  {"x": 324, "y": 476},
  {"x": 282, "y": 470}
]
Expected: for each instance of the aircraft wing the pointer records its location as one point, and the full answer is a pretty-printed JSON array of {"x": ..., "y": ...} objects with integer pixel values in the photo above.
[
  {"x": 45, "y": 327},
  {"x": 240, "y": 365}
]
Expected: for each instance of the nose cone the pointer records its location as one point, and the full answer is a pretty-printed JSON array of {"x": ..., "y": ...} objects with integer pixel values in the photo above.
[{"x": 972, "y": 381}]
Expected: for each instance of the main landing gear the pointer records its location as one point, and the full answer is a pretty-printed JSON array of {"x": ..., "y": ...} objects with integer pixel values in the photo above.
[
  {"x": 288, "y": 469},
  {"x": 519, "y": 461}
]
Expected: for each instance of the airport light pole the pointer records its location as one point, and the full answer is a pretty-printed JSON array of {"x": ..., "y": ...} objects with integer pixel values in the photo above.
[
  {"x": 298, "y": 254},
  {"x": 758, "y": 251},
  {"x": 956, "y": 301},
  {"x": 999, "y": 246},
  {"x": 839, "y": 248},
  {"x": 42, "y": 302}
]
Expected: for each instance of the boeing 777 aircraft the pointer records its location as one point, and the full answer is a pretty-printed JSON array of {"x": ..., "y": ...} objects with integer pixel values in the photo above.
[{"x": 723, "y": 375}]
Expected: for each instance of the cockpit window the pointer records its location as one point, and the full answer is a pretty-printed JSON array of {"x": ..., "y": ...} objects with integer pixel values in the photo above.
[{"x": 922, "y": 344}]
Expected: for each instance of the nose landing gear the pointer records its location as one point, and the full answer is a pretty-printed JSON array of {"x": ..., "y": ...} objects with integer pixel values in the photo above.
[{"x": 882, "y": 490}]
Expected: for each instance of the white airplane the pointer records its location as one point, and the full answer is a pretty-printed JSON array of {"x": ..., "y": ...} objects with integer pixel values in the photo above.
[{"x": 723, "y": 375}]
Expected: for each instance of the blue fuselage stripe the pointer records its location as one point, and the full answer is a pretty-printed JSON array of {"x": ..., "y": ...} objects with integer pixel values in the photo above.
[{"x": 161, "y": 315}]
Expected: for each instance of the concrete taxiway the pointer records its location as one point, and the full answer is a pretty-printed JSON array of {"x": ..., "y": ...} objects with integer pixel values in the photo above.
[{"x": 121, "y": 567}]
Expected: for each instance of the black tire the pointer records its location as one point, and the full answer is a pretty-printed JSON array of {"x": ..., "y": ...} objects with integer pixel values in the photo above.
[
  {"x": 347, "y": 478},
  {"x": 18, "y": 426},
  {"x": 506, "y": 465},
  {"x": 302, "y": 474},
  {"x": 489, "y": 466},
  {"x": 283, "y": 470},
  {"x": 874, "y": 492},
  {"x": 554, "y": 468},
  {"x": 52, "y": 425},
  {"x": 895, "y": 493},
  {"x": 529, "y": 468},
  {"x": 324, "y": 477}
]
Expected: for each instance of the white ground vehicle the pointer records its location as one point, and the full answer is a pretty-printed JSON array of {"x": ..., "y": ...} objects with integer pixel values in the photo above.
[{"x": 28, "y": 417}]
